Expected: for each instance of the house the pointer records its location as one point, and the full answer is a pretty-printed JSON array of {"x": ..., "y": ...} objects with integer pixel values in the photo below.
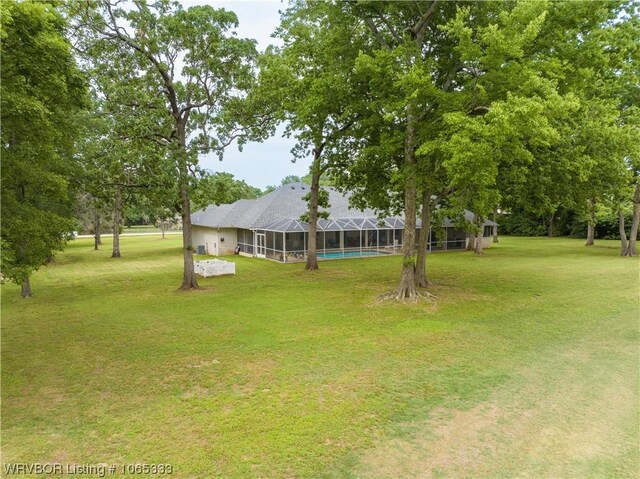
[{"x": 270, "y": 227}]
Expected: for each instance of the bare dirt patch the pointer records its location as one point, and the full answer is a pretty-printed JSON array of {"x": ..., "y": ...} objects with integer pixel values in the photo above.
[{"x": 560, "y": 423}]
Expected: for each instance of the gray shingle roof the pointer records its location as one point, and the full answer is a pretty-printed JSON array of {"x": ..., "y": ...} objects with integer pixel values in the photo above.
[{"x": 280, "y": 210}]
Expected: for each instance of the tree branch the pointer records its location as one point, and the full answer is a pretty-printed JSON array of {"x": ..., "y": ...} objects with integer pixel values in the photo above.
[
  {"x": 419, "y": 27},
  {"x": 374, "y": 29},
  {"x": 191, "y": 106},
  {"x": 396, "y": 37},
  {"x": 123, "y": 37},
  {"x": 480, "y": 110}
]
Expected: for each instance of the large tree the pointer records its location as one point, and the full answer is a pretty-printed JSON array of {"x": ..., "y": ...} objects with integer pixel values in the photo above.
[
  {"x": 631, "y": 119},
  {"x": 42, "y": 92},
  {"x": 407, "y": 66},
  {"x": 494, "y": 105},
  {"x": 511, "y": 112},
  {"x": 589, "y": 51},
  {"x": 436, "y": 66},
  {"x": 178, "y": 75},
  {"x": 309, "y": 82}
]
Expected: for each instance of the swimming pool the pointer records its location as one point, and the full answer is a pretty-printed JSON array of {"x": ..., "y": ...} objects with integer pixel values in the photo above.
[{"x": 349, "y": 254}]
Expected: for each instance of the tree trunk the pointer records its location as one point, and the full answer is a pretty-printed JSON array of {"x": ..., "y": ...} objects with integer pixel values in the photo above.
[
  {"x": 623, "y": 233},
  {"x": 407, "y": 287},
  {"x": 480, "y": 225},
  {"x": 117, "y": 215},
  {"x": 551, "y": 218},
  {"x": 471, "y": 244},
  {"x": 96, "y": 232},
  {"x": 495, "y": 227},
  {"x": 590, "y": 234},
  {"x": 632, "y": 249},
  {"x": 189, "y": 280},
  {"x": 312, "y": 252},
  {"x": 421, "y": 262},
  {"x": 591, "y": 227},
  {"x": 26, "y": 287},
  {"x": 162, "y": 226}
]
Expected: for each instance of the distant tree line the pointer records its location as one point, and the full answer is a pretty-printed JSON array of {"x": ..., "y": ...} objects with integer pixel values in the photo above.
[{"x": 565, "y": 223}]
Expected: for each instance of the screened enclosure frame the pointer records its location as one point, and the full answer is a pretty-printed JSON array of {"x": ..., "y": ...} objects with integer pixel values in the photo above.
[{"x": 286, "y": 240}]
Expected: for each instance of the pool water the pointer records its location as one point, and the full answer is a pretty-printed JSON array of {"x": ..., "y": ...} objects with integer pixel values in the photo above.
[{"x": 349, "y": 254}]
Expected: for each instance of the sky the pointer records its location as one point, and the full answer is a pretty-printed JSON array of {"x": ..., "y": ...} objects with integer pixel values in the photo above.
[{"x": 266, "y": 163}]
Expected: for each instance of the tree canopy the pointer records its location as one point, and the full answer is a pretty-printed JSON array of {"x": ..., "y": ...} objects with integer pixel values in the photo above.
[
  {"x": 484, "y": 104},
  {"x": 42, "y": 93},
  {"x": 424, "y": 108},
  {"x": 309, "y": 84},
  {"x": 177, "y": 78},
  {"x": 221, "y": 188}
]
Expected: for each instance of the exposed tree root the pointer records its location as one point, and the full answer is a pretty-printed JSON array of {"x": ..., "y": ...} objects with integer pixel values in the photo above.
[
  {"x": 417, "y": 296},
  {"x": 204, "y": 289}
]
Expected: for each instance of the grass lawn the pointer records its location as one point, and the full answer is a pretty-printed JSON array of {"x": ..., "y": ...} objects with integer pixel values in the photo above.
[
  {"x": 527, "y": 365},
  {"x": 137, "y": 229}
]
